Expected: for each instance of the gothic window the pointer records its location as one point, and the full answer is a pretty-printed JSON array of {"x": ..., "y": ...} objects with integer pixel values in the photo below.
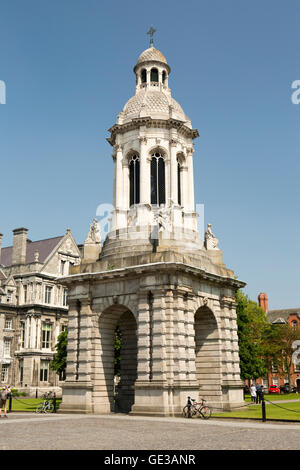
[
  {"x": 158, "y": 192},
  {"x": 179, "y": 183},
  {"x": 144, "y": 76},
  {"x": 134, "y": 179},
  {"x": 154, "y": 75}
]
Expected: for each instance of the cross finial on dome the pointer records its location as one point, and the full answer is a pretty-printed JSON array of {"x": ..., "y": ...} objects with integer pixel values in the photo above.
[{"x": 151, "y": 32}]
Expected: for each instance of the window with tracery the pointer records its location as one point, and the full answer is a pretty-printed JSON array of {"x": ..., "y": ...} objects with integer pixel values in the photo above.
[
  {"x": 158, "y": 191},
  {"x": 134, "y": 179}
]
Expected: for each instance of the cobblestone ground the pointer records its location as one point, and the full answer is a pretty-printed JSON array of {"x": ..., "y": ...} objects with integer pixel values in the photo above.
[{"x": 120, "y": 432}]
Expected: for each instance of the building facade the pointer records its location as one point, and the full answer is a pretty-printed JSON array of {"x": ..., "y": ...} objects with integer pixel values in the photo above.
[
  {"x": 165, "y": 288},
  {"x": 33, "y": 308},
  {"x": 281, "y": 317}
]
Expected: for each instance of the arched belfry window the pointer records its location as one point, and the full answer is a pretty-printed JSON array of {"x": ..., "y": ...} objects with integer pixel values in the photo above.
[
  {"x": 158, "y": 191},
  {"x": 144, "y": 76},
  {"x": 154, "y": 75},
  {"x": 179, "y": 182},
  {"x": 134, "y": 179}
]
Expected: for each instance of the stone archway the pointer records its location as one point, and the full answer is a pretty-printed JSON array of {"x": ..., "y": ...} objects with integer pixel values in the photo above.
[
  {"x": 207, "y": 354},
  {"x": 121, "y": 399}
]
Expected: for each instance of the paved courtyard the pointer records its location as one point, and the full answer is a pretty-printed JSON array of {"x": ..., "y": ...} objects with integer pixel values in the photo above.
[{"x": 23, "y": 431}]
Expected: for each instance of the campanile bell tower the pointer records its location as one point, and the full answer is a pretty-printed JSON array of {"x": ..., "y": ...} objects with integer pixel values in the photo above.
[{"x": 155, "y": 280}]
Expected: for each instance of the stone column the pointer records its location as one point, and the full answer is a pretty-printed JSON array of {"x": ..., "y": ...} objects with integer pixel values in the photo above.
[
  {"x": 119, "y": 176},
  {"x": 189, "y": 158},
  {"x": 173, "y": 168},
  {"x": 231, "y": 383},
  {"x": 144, "y": 173},
  {"x": 125, "y": 170},
  {"x": 184, "y": 186},
  {"x": 77, "y": 389}
]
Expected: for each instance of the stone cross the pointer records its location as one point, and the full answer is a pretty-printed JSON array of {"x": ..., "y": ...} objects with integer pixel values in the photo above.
[{"x": 151, "y": 32}]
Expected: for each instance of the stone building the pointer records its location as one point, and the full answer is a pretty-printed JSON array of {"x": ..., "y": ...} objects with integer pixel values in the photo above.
[
  {"x": 33, "y": 308},
  {"x": 167, "y": 290}
]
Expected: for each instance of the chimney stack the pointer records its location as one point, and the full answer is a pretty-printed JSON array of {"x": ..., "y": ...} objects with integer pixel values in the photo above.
[
  {"x": 19, "y": 246},
  {"x": 263, "y": 301},
  {"x": 1, "y": 235}
]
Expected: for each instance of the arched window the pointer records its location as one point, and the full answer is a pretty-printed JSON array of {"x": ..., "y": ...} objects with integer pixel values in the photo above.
[
  {"x": 158, "y": 192},
  {"x": 154, "y": 75},
  {"x": 179, "y": 183},
  {"x": 144, "y": 76},
  {"x": 134, "y": 179},
  {"x": 164, "y": 76}
]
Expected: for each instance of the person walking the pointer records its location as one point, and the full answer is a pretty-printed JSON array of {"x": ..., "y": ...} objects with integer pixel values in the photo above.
[
  {"x": 4, "y": 394},
  {"x": 253, "y": 392}
]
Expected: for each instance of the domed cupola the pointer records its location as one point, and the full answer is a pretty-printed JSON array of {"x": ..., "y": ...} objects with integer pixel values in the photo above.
[{"x": 152, "y": 95}]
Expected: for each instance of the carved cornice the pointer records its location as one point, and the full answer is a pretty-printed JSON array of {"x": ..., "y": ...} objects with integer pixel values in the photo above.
[{"x": 171, "y": 123}]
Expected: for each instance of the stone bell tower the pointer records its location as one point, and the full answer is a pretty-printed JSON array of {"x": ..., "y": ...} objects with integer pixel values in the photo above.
[{"x": 166, "y": 290}]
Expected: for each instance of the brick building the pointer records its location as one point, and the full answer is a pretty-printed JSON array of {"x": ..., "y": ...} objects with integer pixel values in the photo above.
[{"x": 289, "y": 316}]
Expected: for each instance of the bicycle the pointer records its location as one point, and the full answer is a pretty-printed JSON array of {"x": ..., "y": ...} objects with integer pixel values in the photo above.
[
  {"x": 193, "y": 408},
  {"x": 46, "y": 406}
]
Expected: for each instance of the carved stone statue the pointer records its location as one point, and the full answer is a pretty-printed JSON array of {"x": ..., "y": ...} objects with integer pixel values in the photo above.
[
  {"x": 94, "y": 236},
  {"x": 211, "y": 241},
  {"x": 163, "y": 218}
]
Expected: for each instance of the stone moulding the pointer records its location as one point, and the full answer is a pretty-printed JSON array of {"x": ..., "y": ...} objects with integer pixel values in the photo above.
[
  {"x": 149, "y": 122},
  {"x": 139, "y": 269}
]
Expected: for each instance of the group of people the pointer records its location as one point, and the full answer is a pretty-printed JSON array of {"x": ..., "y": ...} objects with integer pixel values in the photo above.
[
  {"x": 4, "y": 395},
  {"x": 257, "y": 393}
]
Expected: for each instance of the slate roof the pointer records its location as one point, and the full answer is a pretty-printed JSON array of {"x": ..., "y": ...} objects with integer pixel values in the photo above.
[
  {"x": 274, "y": 315},
  {"x": 44, "y": 247}
]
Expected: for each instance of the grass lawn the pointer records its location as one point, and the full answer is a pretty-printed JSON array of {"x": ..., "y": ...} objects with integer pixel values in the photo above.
[
  {"x": 275, "y": 397},
  {"x": 29, "y": 404},
  {"x": 282, "y": 411}
]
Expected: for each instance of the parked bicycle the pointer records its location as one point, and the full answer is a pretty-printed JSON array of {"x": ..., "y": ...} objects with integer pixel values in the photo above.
[
  {"x": 192, "y": 409},
  {"x": 47, "y": 406}
]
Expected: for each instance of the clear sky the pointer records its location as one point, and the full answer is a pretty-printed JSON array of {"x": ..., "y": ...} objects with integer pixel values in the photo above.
[{"x": 68, "y": 70}]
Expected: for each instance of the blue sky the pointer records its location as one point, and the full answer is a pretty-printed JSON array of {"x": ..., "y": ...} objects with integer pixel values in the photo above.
[{"x": 68, "y": 70}]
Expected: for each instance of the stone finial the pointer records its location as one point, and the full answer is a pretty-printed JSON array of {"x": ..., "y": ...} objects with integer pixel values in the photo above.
[
  {"x": 210, "y": 241},
  {"x": 36, "y": 256}
]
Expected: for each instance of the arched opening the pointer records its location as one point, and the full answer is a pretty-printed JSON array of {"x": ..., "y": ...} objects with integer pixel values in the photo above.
[
  {"x": 119, "y": 384},
  {"x": 207, "y": 353},
  {"x": 134, "y": 180},
  {"x": 154, "y": 75},
  {"x": 164, "y": 76},
  {"x": 144, "y": 76},
  {"x": 158, "y": 191}
]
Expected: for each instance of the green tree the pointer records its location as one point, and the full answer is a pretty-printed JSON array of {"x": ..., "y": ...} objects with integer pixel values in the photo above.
[
  {"x": 251, "y": 322},
  {"x": 288, "y": 334},
  {"x": 59, "y": 361}
]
